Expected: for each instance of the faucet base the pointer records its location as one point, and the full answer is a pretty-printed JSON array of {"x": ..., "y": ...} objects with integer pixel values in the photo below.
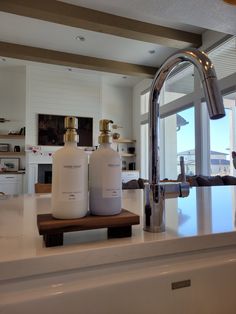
[{"x": 154, "y": 229}]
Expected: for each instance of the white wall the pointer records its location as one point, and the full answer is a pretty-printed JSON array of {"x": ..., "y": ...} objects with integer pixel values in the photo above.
[
  {"x": 12, "y": 100},
  {"x": 58, "y": 91},
  {"x": 61, "y": 92},
  {"x": 12, "y": 104},
  {"x": 117, "y": 106}
]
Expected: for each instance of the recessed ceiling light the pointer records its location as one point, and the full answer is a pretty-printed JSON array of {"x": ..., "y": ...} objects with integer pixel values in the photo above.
[
  {"x": 233, "y": 2},
  {"x": 80, "y": 38},
  {"x": 152, "y": 51}
]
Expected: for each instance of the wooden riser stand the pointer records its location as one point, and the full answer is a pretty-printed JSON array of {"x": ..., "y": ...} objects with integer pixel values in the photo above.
[{"x": 118, "y": 226}]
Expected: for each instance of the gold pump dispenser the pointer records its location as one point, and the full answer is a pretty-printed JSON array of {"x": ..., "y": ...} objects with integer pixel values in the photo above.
[
  {"x": 105, "y": 136},
  {"x": 71, "y": 124}
]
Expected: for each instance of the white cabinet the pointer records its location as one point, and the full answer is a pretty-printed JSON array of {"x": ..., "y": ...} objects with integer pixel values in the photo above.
[
  {"x": 11, "y": 183},
  {"x": 129, "y": 175}
]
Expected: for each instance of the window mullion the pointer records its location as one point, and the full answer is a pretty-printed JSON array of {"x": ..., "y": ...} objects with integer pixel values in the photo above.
[{"x": 202, "y": 131}]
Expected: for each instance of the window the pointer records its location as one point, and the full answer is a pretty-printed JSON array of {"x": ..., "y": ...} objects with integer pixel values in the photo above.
[
  {"x": 186, "y": 140},
  {"x": 179, "y": 138},
  {"x": 222, "y": 137},
  {"x": 144, "y": 108},
  {"x": 144, "y": 151},
  {"x": 185, "y": 129},
  {"x": 145, "y": 103}
]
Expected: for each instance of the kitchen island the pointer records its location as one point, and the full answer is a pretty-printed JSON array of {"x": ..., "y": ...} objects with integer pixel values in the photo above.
[{"x": 200, "y": 227}]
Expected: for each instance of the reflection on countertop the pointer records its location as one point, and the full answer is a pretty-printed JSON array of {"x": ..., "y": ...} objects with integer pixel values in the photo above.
[{"x": 204, "y": 220}]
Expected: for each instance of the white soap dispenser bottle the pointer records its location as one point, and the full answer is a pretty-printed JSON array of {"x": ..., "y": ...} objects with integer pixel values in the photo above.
[
  {"x": 70, "y": 176},
  {"x": 105, "y": 175}
]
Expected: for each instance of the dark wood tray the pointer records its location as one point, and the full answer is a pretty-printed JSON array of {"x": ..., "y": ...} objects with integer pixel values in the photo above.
[{"x": 118, "y": 226}]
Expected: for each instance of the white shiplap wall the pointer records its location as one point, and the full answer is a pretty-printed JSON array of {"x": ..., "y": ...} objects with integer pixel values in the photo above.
[
  {"x": 12, "y": 98},
  {"x": 62, "y": 93},
  {"x": 117, "y": 105},
  {"x": 12, "y": 105}
]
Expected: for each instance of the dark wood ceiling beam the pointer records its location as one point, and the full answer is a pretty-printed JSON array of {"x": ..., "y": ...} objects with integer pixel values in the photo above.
[
  {"x": 80, "y": 17},
  {"x": 73, "y": 60}
]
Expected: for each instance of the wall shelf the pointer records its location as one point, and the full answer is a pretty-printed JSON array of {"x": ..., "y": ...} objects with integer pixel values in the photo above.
[
  {"x": 12, "y": 154},
  {"x": 127, "y": 155},
  {"x": 124, "y": 141},
  {"x": 12, "y": 136}
]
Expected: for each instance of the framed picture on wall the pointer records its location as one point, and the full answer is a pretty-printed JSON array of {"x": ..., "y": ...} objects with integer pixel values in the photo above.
[{"x": 10, "y": 164}]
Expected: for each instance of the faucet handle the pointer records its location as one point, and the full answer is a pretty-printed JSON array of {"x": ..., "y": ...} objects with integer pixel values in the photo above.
[
  {"x": 173, "y": 190},
  {"x": 182, "y": 169},
  {"x": 184, "y": 189}
]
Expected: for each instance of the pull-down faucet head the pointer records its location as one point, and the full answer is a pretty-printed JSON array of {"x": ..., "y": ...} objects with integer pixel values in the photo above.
[{"x": 154, "y": 192}]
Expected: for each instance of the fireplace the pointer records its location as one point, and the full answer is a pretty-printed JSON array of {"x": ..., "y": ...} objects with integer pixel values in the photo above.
[{"x": 44, "y": 173}]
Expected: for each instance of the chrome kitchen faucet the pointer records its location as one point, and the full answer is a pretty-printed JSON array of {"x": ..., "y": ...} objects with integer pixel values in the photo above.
[{"x": 154, "y": 192}]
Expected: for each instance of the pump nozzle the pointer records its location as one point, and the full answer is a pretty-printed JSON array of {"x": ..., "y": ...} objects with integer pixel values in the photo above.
[
  {"x": 71, "y": 124},
  {"x": 105, "y": 129},
  {"x": 104, "y": 125}
]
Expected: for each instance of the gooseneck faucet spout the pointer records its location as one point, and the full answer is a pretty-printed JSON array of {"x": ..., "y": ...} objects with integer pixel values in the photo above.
[{"x": 154, "y": 195}]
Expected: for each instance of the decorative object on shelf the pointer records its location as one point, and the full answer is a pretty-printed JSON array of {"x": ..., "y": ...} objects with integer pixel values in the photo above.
[
  {"x": 115, "y": 136},
  {"x": 37, "y": 150},
  {"x": 131, "y": 150},
  {"x": 234, "y": 158},
  {"x": 132, "y": 166},
  {"x": 3, "y": 120},
  {"x": 33, "y": 148},
  {"x": 116, "y": 126},
  {"x": 13, "y": 133},
  {"x": 17, "y": 148},
  {"x": 22, "y": 131},
  {"x": 10, "y": 164},
  {"x": 4, "y": 147},
  {"x": 123, "y": 165}
]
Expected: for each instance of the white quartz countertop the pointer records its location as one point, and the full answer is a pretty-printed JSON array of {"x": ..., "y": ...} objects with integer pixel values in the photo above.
[{"x": 206, "y": 219}]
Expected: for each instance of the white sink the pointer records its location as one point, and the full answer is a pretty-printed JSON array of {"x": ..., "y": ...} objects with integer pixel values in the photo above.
[{"x": 208, "y": 282}]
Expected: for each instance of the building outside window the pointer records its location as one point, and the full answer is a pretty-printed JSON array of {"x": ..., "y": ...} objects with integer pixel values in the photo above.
[{"x": 222, "y": 138}]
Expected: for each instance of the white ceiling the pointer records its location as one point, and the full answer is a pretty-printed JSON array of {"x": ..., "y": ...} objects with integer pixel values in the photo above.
[
  {"x": 190, "y": 15},
  {"x": 210, "y": 14},
  {"x": 224, "y": 60},
  {"x": 37, "y": 33}
]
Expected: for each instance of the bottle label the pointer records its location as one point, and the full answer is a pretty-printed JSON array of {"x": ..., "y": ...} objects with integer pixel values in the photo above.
[
  {"x": 72, "y": 182},
  {"x": 111, "y": 185}
]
